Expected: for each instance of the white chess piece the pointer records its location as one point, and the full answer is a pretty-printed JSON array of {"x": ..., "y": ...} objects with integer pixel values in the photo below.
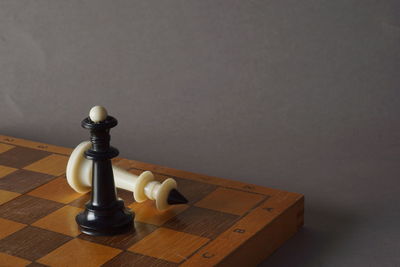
[
  {"x": 98, "y": 114},
  {"x": 79, "y": 176}
]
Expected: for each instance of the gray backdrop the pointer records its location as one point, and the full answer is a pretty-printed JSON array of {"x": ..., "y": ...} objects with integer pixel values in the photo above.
[{"x": 296, "y": 95}]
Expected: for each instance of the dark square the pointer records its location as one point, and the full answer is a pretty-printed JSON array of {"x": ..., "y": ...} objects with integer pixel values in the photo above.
[
  {"x": 35, "y": 264},
  {"x": 22, "y": 181},
  {"x": 194, "y": 190},
  {"x": 32, "y": 243},
  {"x": 28, "y": 209},
  {"x": 19, "y": 157},
  {"x": 202, "y": 222},
  {"x": 125, "y": 195},
  {"x": 123, "y": 241},
  {"x": 129, "y": 259}
]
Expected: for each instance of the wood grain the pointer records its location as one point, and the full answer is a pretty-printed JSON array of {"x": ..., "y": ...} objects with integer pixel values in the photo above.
[
  {"x": 133, "y": 164},
  {"x": 27, "y": 209},
  {"x": 225, "y": 223},
  {"x": 169, "y": 245},
  {"x": 22, "y": 181},
  {"x": 61, "y": 221},
  {"x": 53, "y": 165},
  {"x": 230, "y": 201},
  {"x": 79, "y": 252},
  {"x": 35, "y": 145},
  {"x": 11, "y": 261},
  {"x": 6, "y": 196},
  {"x": 32, "y": 243},
  {"x": 202, "y": 222},
  {"x": 4, "y": 147},
  {"x": 123, "y": 241},
  {"x": 5, "y": 170},
  {"x": 8, "y": 227},
  {"x": 264, "y": 223},
  {"x": 19, "y": 157},
  {"x": 56, "y": 190},
  {"x": 147, "y": 212},
  {"x": 129, "y": 259}
]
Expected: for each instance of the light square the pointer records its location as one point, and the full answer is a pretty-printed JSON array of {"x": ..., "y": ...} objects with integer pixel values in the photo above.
[
  {"x": 147, "y": 212},
  {"x": 56, "y": 190},
  {"x": 11, "y": 261},
  {"x": 6, "y": 196},
  {"x": 5, "y": 170},
  {"x": 4, "y": 147},
  {"x": 78, "y": 252},
  {"x": 61, "y": 221},
  {"x": 169, "y": 245},
  {"x": 53, "y": 164},
  {"x": 8, "y": 227},
  {"x": 230, "y": 201}
]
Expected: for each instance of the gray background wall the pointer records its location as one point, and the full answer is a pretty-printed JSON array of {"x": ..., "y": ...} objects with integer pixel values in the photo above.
[{"x": 297, "y": 95}]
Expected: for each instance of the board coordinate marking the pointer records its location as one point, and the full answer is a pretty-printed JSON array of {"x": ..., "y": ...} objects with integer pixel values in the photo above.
[{"x": 262, "y": 223}]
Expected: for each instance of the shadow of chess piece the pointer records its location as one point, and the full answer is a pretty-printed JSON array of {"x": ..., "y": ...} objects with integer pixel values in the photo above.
[{"x": 105, "y": 214}]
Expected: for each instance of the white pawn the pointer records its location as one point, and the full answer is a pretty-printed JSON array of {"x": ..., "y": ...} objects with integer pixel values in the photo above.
[{"x": 98, "y": 114}]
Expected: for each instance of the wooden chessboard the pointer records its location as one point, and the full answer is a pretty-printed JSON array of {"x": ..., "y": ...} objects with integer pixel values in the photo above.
[{"x": 225, "y": 223}]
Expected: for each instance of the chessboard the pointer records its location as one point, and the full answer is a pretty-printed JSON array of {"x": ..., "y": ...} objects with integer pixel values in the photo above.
[{"x": 225, "y": 223}]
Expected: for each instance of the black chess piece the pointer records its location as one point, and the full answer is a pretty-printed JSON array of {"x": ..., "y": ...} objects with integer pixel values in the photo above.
[
  {"x": 175, "y": 197},
  {"x": 105, "y": 214}
]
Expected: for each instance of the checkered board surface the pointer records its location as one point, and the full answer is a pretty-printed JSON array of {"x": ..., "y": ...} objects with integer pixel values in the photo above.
[{"x": 225, "y": 223}]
